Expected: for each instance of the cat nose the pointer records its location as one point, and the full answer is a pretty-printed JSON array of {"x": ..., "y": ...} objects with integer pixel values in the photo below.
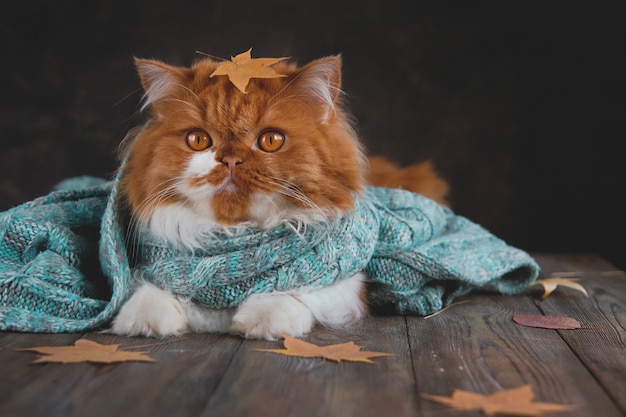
[{"x": 231, "y": 162}]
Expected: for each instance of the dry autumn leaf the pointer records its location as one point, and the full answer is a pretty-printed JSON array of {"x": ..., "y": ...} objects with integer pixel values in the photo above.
[
  {"x": 547, "y": 322},
  {"x": 516, "y": 401},
  {"x": 85, "y": 350},
  {"x": 340, "y": 352},
  {"x": 550, "y": 284},
  {"x": 243, "y": 67},
  {"x": 446, "y": 308}
]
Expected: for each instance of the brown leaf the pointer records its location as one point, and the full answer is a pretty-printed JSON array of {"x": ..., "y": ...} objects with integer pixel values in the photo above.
[
  {"x": 446, "y": 308},
  {"x": 550, "y": 284},
  {"x": 547, "y": 322},
  {"x": 337, "y": 353},
  {"x": 516, "y": 401},
  {"x": 243, "y": 67},
  {"x": 85, "y": 350}
]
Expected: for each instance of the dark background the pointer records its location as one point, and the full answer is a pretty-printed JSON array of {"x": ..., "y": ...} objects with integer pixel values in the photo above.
[{"x": 520, "y": 105}]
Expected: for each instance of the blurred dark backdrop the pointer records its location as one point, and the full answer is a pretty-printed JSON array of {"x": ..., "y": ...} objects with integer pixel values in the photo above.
[{"x": 521, "y": 105}]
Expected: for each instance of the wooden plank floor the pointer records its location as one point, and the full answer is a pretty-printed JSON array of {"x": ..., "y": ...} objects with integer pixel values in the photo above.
[{"x": 473, "y": 346}]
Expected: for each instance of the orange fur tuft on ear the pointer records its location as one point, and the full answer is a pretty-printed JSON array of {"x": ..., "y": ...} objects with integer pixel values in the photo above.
[{"x": 419, "y": 178}]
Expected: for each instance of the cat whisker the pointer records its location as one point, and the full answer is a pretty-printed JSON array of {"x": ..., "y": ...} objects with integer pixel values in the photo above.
[
  {"x": 137, "y": 222},
  {"x": 167, "y": 192},
  {"x": 290, "y": 99},
  {"x": 211, "y": 56},
  {"x": 180, "y": 101},
  {"x": 285, "y": 87},
  {"x": 132, "y": 93},
  {"x": 193, "y": 94},
  {"x": 294, "y": 194},
  {"x": 325, "y": 94},
  {"x": 295, "y": 225},
  {"x": 169, "y": 188},
  {"x": 172, "y": 183},
  {"x": 290, "y": 189},
  {"x": 139, "y": 218}
]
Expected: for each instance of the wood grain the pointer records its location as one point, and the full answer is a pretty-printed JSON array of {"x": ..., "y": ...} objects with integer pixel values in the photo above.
[
  {"x": 602, "y": 346},
  {"x": 473, "y": 346},
  {"x": 291, "y": 386},
  {"x": 185, "y": 375},
  {"x": 484, "y": 351}
]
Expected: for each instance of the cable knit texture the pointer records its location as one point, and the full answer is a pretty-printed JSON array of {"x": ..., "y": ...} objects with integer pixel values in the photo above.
[{"x": 417, "y": 254}]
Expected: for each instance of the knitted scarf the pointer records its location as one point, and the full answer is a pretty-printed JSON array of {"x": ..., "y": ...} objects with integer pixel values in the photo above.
[{"x": 418, "y": 255}]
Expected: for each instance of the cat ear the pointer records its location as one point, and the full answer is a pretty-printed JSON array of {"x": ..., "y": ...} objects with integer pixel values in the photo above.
[
  {"x": 322, "y": 80},
  {"x": 158, "y": 80}
]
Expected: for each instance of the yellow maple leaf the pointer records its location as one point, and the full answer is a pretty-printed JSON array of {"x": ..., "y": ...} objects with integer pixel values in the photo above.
[
  {"x": 550, "y": 284},
  {"x": 516, "y": 401},
  {"x": 340, "y": 352},
  {"x": 243, "y": 67},
  {"x": 85, "y": 350}
]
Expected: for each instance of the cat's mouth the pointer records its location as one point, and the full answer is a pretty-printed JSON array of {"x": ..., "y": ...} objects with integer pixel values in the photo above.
[{"x": 230, "y": 184}]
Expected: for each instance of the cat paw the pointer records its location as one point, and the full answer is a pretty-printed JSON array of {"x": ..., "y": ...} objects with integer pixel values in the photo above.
[
  {"x": 150, "y": 312},
  {"x": 270, "y": 316}
]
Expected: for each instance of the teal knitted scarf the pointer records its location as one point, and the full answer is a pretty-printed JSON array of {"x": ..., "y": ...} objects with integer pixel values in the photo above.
[{"x": 418, "y": 255}]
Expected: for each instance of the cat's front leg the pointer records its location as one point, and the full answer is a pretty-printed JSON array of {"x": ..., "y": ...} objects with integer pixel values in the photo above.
[
  {"x": 269, "y": 316},
  {"x": 151, "y": 311}
]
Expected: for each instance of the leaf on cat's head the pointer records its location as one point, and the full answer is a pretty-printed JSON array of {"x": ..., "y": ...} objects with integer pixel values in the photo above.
[{"x": 241, "y": 68}]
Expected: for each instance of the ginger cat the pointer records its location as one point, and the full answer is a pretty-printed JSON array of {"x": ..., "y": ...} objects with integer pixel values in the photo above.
[{"x": 213, "y": 158}]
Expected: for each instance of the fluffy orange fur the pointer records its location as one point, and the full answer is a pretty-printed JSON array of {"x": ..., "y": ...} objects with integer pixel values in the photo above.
[
  {"x": 212, "y": 156},
  {"x": 321, "y": 157},
  {"x": 419, "y": 178}
]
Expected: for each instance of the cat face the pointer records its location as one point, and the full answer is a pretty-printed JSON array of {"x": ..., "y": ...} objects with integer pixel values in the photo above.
[{"x": 213, "y": 155}]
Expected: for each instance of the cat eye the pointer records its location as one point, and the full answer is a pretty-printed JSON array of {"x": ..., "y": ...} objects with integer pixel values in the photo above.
[
  {"x": 198, "y": 140},
  {"x": 271, "y": 141}
]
